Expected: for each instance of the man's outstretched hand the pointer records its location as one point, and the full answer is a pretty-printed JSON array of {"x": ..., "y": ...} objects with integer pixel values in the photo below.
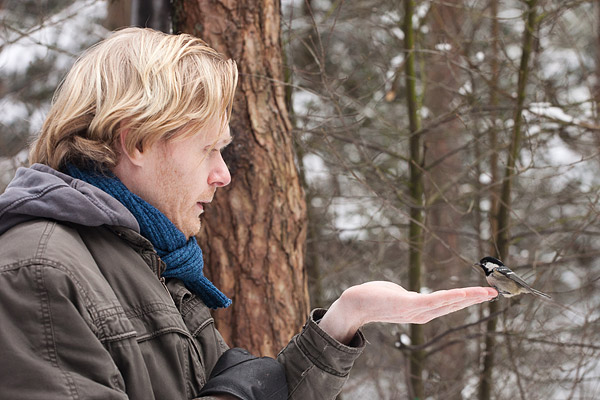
[{"x": 387, "y": 302}]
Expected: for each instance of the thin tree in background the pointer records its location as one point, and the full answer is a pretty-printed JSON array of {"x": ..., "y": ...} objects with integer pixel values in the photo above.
[
  {"x": 151, "y": 13},
  {"x": 416, "y": 190},
  {"x": 254, "y": 232},
  {"x": 493, "y": 131},
  {"x": 442, "y": 240},
  {"x": 305, "y": 59},
  {"x": 155, "y": 14},
  {"x": 494, "y": 195},
  {"x": 343, "y": 57},
  {"x": 597, "y": 86},
  {"x": 118, "y": 14},
  {"x": 502, "y": 236}
]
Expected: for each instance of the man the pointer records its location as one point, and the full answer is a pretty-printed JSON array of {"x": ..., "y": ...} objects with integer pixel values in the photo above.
[{"x": 101, "y": 287}]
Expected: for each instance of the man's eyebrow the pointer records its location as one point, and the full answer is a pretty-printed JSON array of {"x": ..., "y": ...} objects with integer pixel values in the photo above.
[
  {"x": 226, "y": 142},
  {"x": 220, "y": 144}
]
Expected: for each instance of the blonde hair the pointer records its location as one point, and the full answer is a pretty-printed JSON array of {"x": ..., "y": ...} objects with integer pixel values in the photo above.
[{"x": 152, "y": 85}]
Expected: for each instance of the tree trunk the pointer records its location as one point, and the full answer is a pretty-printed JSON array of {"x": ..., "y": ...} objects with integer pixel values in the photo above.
[
  {"x": 597, "y": 85},
  {"x": 151, "y": 14},
  {"x": 254, "y": 231},
  {"x": 443, "y": 82},
  {"x": 502, "y": 237},
  {"x": 303, "y": 59},
  {"x": 443, "y": 219},
  {"x": 485, "y": 385},
  {"x": 417, "y": 357},
  {"x": 118, "y": 14}
]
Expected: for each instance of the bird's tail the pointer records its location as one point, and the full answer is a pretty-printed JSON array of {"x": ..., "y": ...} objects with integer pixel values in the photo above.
[{"x": 538, "y": 293}]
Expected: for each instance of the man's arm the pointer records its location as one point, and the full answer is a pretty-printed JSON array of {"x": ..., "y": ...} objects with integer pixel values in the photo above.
[
  {"x": 387, "y": 302},
  {"x": 47, "y": 344},
  {"x": 319, "y": 359},
  {"x": 316, "y": 364}
]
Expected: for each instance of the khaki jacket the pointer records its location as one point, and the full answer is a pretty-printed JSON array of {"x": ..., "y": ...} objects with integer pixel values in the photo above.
[{"x": 84, "y": 314}]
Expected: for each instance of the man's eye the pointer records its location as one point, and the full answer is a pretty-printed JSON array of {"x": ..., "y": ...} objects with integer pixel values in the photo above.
[{"x": 214, "y": 151}]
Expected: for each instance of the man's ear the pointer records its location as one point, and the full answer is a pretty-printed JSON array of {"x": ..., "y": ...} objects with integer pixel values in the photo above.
[{"x": 136, "y": 156}]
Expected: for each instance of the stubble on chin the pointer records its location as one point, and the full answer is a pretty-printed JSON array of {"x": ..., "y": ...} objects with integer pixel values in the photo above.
[
  {"x": 197, "y": 232},
  {"x": 194, "y": 230}
]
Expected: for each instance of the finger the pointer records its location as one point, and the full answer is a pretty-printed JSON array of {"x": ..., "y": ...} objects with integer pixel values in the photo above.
[
  {"x": 428, "y": 315},
  {"x": 455, "y": 296},
  {"x": 425, "y": 304},
  {"x": 466, "y": 292}
]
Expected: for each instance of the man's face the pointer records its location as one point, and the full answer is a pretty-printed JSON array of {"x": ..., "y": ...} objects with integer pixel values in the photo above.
[{"x": 181, "y": 175}]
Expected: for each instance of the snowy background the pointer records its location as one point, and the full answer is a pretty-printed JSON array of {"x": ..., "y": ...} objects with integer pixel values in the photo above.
[{"x": 346, "y": 61}]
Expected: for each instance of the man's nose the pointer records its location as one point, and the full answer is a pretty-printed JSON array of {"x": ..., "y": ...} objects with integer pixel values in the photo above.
[{"x": 220, "y": 175}]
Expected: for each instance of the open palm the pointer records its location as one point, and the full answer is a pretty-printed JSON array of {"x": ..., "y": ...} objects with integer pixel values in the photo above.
[{"x": 381, "y": 301}]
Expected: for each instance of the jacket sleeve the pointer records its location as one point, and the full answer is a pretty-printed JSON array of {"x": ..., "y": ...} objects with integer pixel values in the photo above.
[
  {"x": 48, "y": 344},
  {"x": 316, "y": 365}
]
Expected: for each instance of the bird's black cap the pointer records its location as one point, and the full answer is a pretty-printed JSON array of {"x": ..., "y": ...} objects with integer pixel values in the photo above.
[{"x": 491, "y": 260}]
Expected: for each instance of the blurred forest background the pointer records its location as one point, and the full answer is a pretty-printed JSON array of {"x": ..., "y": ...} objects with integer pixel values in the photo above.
[{"x": 427, "y": 135}]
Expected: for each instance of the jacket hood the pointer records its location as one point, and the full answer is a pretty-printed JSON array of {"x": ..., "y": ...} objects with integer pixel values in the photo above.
[{"x": 42, "y": 192}]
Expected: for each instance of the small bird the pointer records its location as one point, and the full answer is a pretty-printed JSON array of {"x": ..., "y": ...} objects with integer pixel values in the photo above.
[{"x": 506, "y": 282}]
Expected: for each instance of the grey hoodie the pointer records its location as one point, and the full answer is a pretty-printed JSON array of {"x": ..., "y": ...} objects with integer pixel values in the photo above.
[{"x": 42, "y": 192}]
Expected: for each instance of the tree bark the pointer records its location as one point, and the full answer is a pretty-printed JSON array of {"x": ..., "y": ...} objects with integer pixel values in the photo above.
[
  {"x": 597, "y": 85},
  {"x": 255, "y": 229},
  {"x": 417, "y": 357},
  {"x": 502, "y": 238},
  {"x": 485, "y": 386},
  {"x": 151, "y": 14},
  {"x": 444, "y": 78},
  {"x": 118, "y": 14},
  {"x": 443, "y": 82}
]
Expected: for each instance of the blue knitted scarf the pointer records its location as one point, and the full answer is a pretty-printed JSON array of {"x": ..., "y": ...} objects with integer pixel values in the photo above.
[{"x": 183, "y": 257}]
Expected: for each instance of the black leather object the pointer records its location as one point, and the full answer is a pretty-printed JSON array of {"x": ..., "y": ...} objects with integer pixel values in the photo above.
[{"x": 247, "y": 377}]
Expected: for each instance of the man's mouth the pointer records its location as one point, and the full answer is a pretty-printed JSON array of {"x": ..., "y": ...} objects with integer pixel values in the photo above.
[{"x": 202, "y": 203}]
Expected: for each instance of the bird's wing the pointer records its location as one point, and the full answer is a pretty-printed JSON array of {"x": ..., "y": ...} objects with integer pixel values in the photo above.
[{"x": 508, "y": 273}]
